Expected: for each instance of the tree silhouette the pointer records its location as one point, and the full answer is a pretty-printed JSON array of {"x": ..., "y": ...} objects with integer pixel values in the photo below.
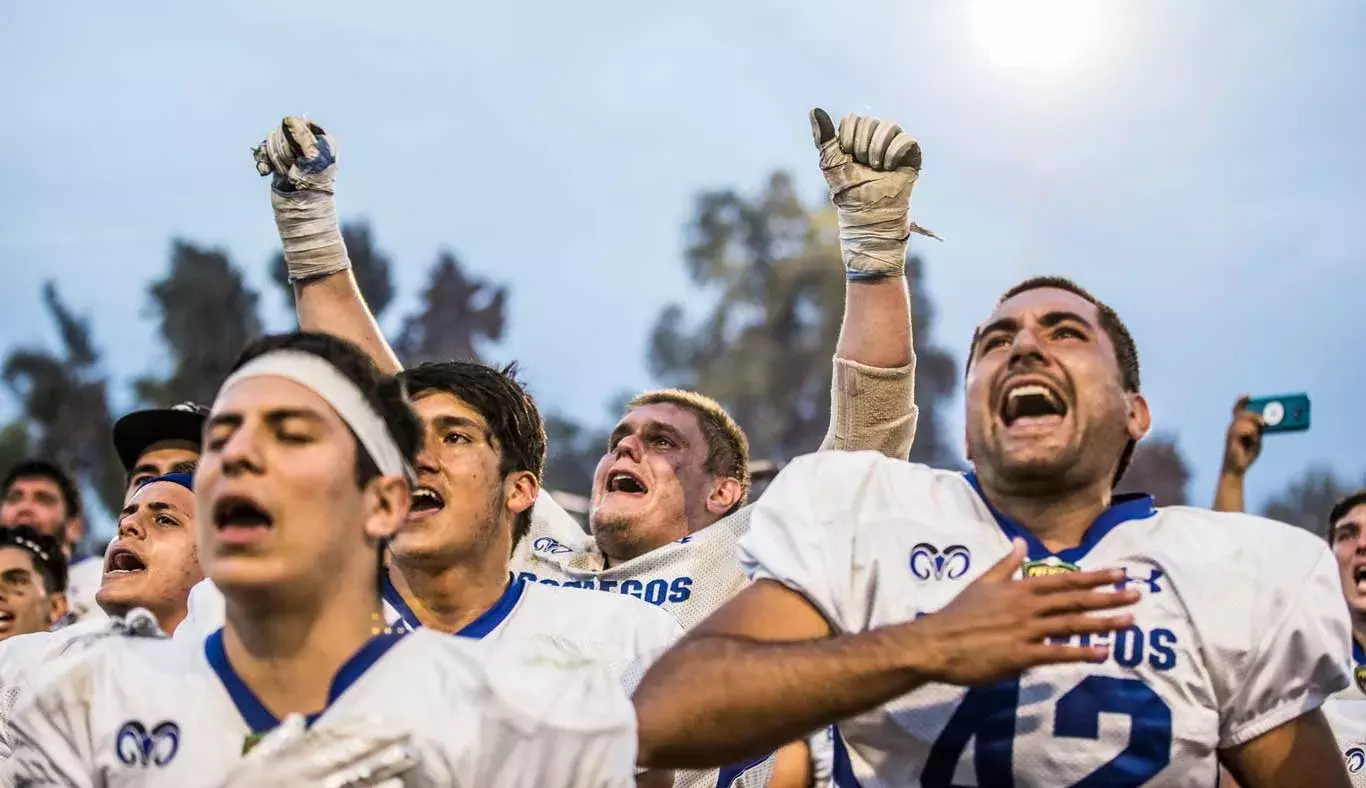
[
  {"x": 1307, "y": 499},
  {"x": 371, "y": 267},
  {"x": 1159, "y": 469},
  {"x": 64, "y": 400},
  {"x": 764, "y": 349},
  {"x": 457, "y": 311},
  {"x": 206, "y": 314}
]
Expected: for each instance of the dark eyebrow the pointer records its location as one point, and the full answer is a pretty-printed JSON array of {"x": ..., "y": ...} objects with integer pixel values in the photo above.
[
  {"x": 141, "y": 469},
  {"x": 447, "y": 422},
  {"x": 223, "y": 420},
  {"x": 273, "y": 417},
  {"x": 659, "y": 426},
  {"x": 17, "y": 575},
  {"x": 620, "y": 431},
  {"x": 999, "y": 324},
  {"x": 1054, "y": 318}
]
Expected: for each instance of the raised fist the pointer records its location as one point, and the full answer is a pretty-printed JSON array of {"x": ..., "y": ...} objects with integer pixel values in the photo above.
[
  {"x": 299, "y": 154},
  {"x": 871, "y": 166},
  {"x": 302, "y": 159},
  {"x": 1243, "y": 442}
]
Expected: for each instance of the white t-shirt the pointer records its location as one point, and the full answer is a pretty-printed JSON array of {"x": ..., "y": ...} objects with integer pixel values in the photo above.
[
  {"x": 151, "y": 712},
  {"x": 1241, "y": 628}
]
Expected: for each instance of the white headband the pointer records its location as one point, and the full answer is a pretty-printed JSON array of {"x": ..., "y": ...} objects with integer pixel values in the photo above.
[{"x": 345, "y": 398}]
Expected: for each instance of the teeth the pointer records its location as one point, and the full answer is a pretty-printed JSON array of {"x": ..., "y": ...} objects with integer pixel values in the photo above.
[{"x": 1030, "y": 390}]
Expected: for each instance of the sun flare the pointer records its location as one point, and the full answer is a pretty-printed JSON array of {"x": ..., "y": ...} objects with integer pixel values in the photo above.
[{"x": 1036, "y": 33}]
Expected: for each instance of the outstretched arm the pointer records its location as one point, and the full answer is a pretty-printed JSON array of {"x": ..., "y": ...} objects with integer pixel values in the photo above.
[
  {"x": 302, "y": 160},
  {"x": 871, "y": 167},
  {"x": 1301, "y": 753},
  {"x": 765, "y": 670},
  {"x": 1242, "y": 444}
]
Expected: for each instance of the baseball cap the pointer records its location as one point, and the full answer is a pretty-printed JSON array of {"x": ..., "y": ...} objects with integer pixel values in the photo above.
[{"x": 140, "y": 429}]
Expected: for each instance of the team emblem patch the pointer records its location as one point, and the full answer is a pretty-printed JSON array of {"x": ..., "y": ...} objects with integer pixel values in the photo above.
[
  {"x": 250, "y": 741},
  {"x": 929, "y": 561},
  {"x": 137, "y": 746},
  {"x": 1356, "y": 758},
  {"x": 1048, "y": 566},
  {"x": 1361, "y": 677}
]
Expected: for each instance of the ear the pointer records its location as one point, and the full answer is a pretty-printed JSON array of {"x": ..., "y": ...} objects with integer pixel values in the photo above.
[
  {"x": 967, "y": 452},
  {"x": 520, "y": 489},
  {"x": 386, "y": 503},
  {"x": 725, "y": 493},
  {"x": 74, "y": 530},
  {"x": 1140, "y": 418},
  {"x": 57, "y": 608}
]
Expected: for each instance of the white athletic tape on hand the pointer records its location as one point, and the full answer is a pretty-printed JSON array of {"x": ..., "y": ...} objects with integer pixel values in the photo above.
[
  {"x": 345, "y": 398},
  {"x": 305, "y": 211}
]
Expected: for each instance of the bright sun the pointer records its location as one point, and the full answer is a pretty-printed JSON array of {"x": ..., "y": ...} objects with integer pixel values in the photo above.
[{"x": 1035, "y": 33}]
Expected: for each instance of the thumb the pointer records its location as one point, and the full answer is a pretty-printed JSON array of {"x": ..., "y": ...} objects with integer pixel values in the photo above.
[
  {"x": 822, "y": 129},
  {"x": 1241, "y": 404},
  {"x": 302, "y": 136},
  {"x": 1004, "y": 569}
]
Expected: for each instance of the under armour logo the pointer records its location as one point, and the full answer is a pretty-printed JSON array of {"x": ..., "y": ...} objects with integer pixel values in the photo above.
[
  {"x": 928, "y": 561},
  {"x": 547, "y": 545},
  {"x": 1150, "y": 581},
  {"x": 1356, "y": 758},
  {"x": 135, "y": 746}
]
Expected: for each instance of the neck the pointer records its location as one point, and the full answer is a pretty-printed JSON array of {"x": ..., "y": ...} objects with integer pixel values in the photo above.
[
  {"x": 1060, "y": 519},
  {"x": 1359, "y": 627},
  {"x": 287, "y": 652},
  {"x": 448, "y": 596}
]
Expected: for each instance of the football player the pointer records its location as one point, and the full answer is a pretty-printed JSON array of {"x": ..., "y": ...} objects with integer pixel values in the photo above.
[
  {"x": 305, "y": 470},
  {"x": 886, "y": 600}
]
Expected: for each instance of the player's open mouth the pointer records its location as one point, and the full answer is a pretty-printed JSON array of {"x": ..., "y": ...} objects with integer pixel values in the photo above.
[
  {"x": 1029, "y": 403},
  {"x": 240, "y": 519},
  {"x": 424, "y": 499},
  {"x": 121, "y": 561},
  {"x": 625, "y": 482},
  {"x": 1359, "y": 577},
  {"x": 6, "y": 618}
]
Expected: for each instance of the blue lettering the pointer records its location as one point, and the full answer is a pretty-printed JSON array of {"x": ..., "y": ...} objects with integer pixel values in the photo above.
[
  {"x": 681, "y": 589},
  {"x": 547, "y": 581},
  {"x": 527, "y": 577},
  {"x": 656, "y": 591},
  {"x": 633, "y": 588},
  {"x": 1162, "y": 656},
  {"x": 608, "y": 585},
  {"x": 1128, "y": 649}
]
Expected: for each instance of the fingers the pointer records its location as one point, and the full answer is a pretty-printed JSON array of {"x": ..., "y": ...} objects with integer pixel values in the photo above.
[
  {"x": 903, "y": 152},
  {"x": 883, "y": 135},
  {"x": 876, "y": 143},
  {"x": 1061, "y": 653},
  {"x": 1084, "y": 624},
  {"x": 301, "y": 136},
  {"x": 1005, "y": 568},
  {"x": 1241, "y": 404},
  {"x": 822, "y": 128},
  {"x": 1085, "y": 601}
]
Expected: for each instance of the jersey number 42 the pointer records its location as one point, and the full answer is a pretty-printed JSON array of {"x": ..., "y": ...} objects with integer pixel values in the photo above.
[{"x": 988, "y": 713}]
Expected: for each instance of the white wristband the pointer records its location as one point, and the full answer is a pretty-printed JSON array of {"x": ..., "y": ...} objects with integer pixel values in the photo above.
[{"x": 307, "y": 223}]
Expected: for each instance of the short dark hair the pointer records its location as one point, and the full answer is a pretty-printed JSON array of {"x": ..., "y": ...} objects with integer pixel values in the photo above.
[
  {"x": 43, "y": 469},
  {"x": 727, "y": 446},
  {"x": 45, "y": 551},
  {"x": 1126, "y": 350},
  {"x": 383, "y": 393},
  {"x": 502, "y": 400},
  {"x": 1343, "y": 506}
]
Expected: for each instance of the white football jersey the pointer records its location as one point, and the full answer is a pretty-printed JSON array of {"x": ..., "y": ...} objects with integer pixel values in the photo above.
[
  {"x": 148, "y": 711},
  {"x": 83, "y": 579},
  {"x": 1241, "y": 627},
  {"x": 23, "y": 656},
  {"x": 1346, "y": 713}
]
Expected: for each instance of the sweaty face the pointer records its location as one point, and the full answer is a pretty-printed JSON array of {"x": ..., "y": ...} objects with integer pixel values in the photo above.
[
  {"x": 35, "y": 501},
  {"x": 153, "y": 562},
  {"x": 25, "y": 605},
  {"x": 651, "y": 487},
  {"x": 158, "y": 460},
  {"x": 458, "y": 505},
  {"x": 278, "y": 507},
  {"x": 1045, "y": 405},
  {"x": 1349, "y": 547}
]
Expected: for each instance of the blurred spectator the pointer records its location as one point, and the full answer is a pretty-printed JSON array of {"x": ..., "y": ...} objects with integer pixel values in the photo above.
[
  {"x": 1242, "y": 445},
  {"x": 151, "y": 442},
  {"x": 32, "y": 581}
]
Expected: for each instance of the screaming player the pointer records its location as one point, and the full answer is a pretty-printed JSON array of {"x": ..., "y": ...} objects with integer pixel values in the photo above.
[
  {"x": 307, "y": 456},
  {"x": 889, "y": 587}
]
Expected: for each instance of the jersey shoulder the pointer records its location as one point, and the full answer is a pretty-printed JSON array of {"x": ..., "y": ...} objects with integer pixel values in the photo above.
[
  {"x": 1236, "y": 545},
  {"x": 619, "y": 613}
]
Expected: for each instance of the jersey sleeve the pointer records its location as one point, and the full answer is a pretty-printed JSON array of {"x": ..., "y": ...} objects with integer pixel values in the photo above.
[
  {"x": 803, "y": 531},
  {"x": 1299, "y": 645},
  {"x": 49, "y": 727},
  {"x": 555, "y": 715}
]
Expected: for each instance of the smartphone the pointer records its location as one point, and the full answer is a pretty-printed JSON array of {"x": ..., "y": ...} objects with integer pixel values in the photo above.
[{"x": 1282, "y": 413}]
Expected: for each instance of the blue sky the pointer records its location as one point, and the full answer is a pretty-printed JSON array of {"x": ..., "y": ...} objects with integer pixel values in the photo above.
[{"x": 1201, "y": 168}]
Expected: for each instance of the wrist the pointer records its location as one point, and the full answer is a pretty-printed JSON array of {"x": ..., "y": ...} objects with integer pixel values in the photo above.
[
  {"x": 1231, "y": 473},
  {"x": 918, "y": 648}
]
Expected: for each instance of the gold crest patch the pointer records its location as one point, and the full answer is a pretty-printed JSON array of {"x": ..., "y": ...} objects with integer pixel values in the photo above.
[
  {"x": 1047, "y": 567},
  {"x": 1361, "y": 677}
]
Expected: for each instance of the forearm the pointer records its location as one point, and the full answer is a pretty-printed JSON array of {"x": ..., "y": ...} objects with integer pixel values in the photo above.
[
  {"x": 1228, "y": 492},
  {"x": 333, "y": 304},
  {"x": 718, "y": 699},
  {"x": 872, "y": 393}
]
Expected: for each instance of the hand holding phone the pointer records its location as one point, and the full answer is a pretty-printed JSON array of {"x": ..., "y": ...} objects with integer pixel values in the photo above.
[{"x": 1281, "y": 413}]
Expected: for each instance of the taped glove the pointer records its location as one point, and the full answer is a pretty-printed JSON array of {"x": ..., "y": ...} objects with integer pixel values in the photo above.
[
  {"x": 292, "y": 755},
  {"x": 302, "y": 160},
  {"x": 871, "y": 167}
]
